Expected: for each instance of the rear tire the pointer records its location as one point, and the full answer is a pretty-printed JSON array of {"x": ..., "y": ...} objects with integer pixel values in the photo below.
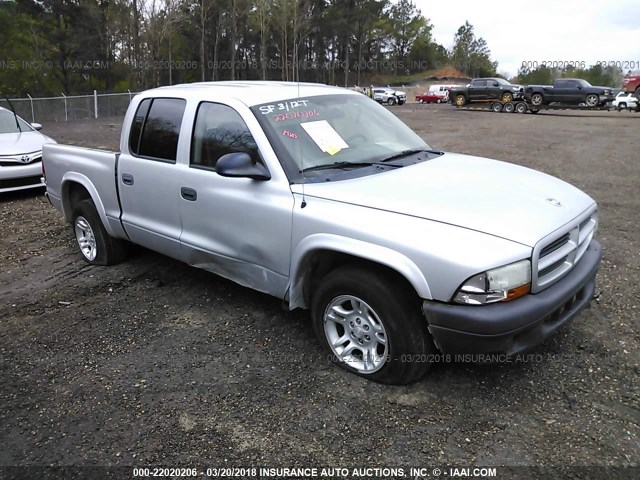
[
  {"x": 460, "y": 100},
  {"x": 371, "y": 326},
  {"x": 537, "y": 99},
  {"x": 592, "y": 100},
  {"x": 95, "y": 244}
]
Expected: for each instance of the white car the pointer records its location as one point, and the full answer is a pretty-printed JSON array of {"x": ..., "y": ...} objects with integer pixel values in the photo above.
[
  {"x": 389, "y": 96},
  {"x": 625, "y": 100},
  {"x": 20, "y": 153}
]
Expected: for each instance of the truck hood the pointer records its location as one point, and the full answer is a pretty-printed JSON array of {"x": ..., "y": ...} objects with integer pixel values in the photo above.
[{"x": 489, "y": 196}]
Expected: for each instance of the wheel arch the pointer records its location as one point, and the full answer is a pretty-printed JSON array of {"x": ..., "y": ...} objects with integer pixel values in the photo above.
[
  {"x": 77, "y": 187},
  {"x": 318, "y": 255}
]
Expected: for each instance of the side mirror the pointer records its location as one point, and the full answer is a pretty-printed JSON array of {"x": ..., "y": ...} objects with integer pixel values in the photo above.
[
  {"x": 579, "y": 87},
  {"x": 240, "y": 165},
  {"x": 37, "y": 126}
]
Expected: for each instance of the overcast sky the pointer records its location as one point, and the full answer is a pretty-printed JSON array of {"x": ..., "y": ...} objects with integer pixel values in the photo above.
[{"x": 551, "y": 30}]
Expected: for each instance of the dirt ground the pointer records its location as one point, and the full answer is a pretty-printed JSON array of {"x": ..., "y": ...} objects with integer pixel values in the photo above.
[{"x": 155, "y": 362}]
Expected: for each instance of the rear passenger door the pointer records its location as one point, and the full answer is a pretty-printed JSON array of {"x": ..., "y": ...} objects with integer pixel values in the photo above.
[
  {"x": 147, "y": 176},
  {"x": 477, "y": 90}
]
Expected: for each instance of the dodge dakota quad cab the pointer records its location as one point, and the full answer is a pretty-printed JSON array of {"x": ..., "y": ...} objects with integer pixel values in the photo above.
[
  {"x": 325, "y": 199},
  {"x": 483, "y": 89},
  {"x": 568, "y": 91}
]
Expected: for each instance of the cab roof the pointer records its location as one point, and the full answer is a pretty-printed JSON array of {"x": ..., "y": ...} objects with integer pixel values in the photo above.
[{"x": 248, "y": 92}]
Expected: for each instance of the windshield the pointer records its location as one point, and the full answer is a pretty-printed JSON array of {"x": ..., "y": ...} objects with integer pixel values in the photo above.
[
  {"x": 313, "y": 131},
  {"x": 8, "y": 123},
  {"x": 502, "y": 81}
]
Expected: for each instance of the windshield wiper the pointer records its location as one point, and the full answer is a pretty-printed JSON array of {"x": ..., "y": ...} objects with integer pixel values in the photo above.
[
  {"x": 338, "y": 165},
  {"x": 406, "y": 153}
]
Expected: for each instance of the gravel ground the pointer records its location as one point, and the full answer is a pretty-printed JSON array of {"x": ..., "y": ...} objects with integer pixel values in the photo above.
[{"x": 155, "y": 362}]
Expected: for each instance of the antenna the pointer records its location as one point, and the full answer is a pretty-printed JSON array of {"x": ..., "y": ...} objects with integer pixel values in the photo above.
[
  {"x": 296, "y": 67},
  {"x": 15, "y": 116}
]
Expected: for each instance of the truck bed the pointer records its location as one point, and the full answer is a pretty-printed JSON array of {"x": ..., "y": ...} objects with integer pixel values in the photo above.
[{"x": 92, "y": 168}]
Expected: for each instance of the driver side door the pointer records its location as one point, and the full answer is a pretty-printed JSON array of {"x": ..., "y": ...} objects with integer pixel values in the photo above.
[{"x": 238, "y": 228}]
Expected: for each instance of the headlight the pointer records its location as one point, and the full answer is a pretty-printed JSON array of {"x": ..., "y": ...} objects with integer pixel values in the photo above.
[{"x": 496, "y": 285}]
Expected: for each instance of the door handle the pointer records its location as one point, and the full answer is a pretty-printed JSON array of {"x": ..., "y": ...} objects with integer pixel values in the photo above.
[
  {"x": 127, "y": 179},
  {"x": 189, "y": 194}
]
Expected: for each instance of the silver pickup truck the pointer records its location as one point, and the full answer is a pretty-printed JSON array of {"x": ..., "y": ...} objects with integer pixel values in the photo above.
[{"x": 323, "y": 198}]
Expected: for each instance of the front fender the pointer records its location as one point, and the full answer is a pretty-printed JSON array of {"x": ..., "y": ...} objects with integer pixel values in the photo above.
[{"x": 305, "y": 250}]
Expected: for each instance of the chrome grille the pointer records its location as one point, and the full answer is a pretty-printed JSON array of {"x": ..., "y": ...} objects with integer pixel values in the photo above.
[
  {"x": 556, "y": 255},
  {"x": 15, "y": 162}
]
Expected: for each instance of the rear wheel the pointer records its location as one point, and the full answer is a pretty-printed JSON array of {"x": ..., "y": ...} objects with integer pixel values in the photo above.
[
  {"x": 95, "y": 244},
  {"x": 459, "y": 100},
  {"x": 592, "y": 100},
  {"x": 371, "y": 326},
  {"x": 507, "y": 97},
  {"x": 622, "y": 106},
  {"x": 537, "y": 99},
  {"x": 508, "y": 107}
]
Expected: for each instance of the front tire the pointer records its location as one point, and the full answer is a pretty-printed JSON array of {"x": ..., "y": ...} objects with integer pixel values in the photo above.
[
  {"x": 391, "y": 102},
  {"x": 507, "y": 97},
  {"x": 371, "y": 326},
  {"x": 95, "y": 244}
]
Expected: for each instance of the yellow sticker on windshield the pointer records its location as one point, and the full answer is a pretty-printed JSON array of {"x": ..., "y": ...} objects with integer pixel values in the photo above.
[{"x": 333, "y": 150}]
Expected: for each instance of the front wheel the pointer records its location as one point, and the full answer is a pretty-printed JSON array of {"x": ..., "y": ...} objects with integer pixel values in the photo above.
[
  {"x": 592, "y": 100},
  {"x": 622, "y": 106},
  {"x": 95, "y": 244},
  {"x": 391, "y": 101},
  {"x": 507, "y": 97},
  {"x": 371, "y": 326}
]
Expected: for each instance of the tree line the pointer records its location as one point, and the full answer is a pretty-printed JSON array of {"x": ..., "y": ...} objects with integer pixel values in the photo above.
[
  {"x": 76, "y": 46},
  {"x": 597, "y": 75}
]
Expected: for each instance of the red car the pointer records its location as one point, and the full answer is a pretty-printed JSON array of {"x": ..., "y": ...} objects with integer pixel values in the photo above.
[
  {"x": 631, "y": 83},
  {"x": 436, "y": 94}
]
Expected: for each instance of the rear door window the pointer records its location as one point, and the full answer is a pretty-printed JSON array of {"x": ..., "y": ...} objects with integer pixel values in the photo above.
[{"x": 161, "y": 129}]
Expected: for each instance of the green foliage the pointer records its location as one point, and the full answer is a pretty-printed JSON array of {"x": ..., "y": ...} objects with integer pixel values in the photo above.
[
  {"x": 595, "y": 75},
  {"x": 471, "y": 54},
  {"x": 75, "y": 46}
]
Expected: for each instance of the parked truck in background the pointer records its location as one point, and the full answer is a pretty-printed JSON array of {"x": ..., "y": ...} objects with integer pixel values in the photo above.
[
  {"x": 326, "y": 200},
  {"x": 631, "y": 83},
  {"x": 568, "y": 91},
  {"x": 485, "y": 89}
]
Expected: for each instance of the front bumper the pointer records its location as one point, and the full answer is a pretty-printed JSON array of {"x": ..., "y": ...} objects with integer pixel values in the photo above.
[
  {"x": 21, "y": 177},
  {"x": 516, "y": 326}
]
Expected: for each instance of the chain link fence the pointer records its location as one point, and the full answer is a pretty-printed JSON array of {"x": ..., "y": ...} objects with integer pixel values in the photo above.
[{"x": 66, "y": 108}]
